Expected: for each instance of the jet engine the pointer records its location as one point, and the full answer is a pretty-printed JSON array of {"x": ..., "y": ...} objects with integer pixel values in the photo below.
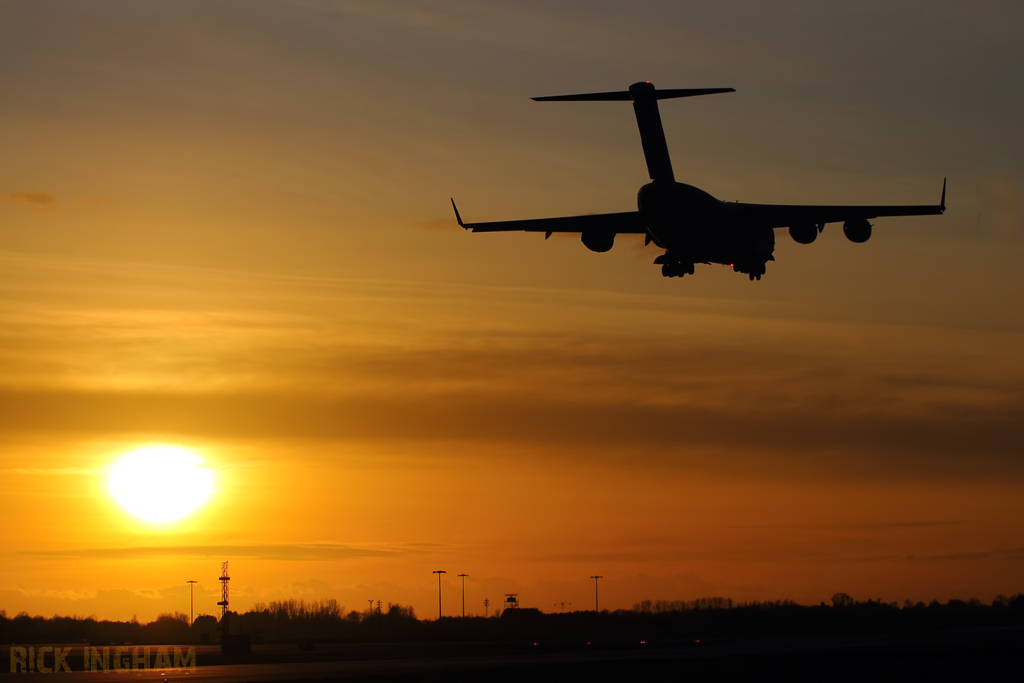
[
  {"x": 598, "y": 240},
  {"x": 803, "y": 233},
  {"x": 857, "y": 230}
]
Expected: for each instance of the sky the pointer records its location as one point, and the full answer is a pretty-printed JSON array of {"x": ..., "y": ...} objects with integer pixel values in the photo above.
[{"x": 225, "y": 226}]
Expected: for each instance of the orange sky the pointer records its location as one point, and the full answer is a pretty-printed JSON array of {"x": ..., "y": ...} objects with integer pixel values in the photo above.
[{"x": 226, "y": 226}]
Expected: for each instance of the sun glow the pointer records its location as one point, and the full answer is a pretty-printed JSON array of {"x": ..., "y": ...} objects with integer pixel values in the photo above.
[{"x": 160, "y": 483}]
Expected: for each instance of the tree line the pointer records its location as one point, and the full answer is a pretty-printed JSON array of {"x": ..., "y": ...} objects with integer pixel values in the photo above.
[{"x": 327, "y": 620}]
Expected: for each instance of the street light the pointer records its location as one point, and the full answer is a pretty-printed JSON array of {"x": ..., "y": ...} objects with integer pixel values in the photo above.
[
  {"x": 439, "y": 572},
  {"x": 190, "y": 602},
  {"x": 595, "y": 578},
  {"x": 463, "y": 576}
]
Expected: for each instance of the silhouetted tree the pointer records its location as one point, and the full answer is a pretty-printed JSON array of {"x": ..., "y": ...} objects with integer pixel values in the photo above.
[{"x": 842, "y": 600}]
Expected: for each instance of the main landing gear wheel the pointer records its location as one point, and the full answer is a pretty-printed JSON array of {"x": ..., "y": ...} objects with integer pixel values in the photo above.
[{"x": 677, "y": 269}]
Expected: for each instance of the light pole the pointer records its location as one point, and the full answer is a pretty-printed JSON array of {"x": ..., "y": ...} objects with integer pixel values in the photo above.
[
  {"x": 439, "y": 572},
  {"x": 595, "y": 578},
  {"x": 190, "y": 602},
  {"x": 463, "y": 577}
]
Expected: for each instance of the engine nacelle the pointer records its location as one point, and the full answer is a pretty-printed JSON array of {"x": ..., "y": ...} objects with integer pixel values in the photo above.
[
  {"x": 857, "y": 230},
  {"x": 803, "y": 233},
  {"x": 598, "y": 240}
]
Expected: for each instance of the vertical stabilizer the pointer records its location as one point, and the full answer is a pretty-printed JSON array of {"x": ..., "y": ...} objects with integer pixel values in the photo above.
[{"x": 652, "y": 134}]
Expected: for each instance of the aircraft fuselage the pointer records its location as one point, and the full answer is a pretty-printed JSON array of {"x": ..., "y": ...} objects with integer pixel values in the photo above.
[{"x": 695, "y": 227}]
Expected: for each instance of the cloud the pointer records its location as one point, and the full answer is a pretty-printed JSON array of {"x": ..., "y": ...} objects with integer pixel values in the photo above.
[
  {"x": 656, "y": 381},
  {"x": 303, "y": 552},
  {"x": 42, "y": 201},
  {"x": 993, "y": 554},
  {"x": 48, "y": 471},
  {"x": 59, "y": 594},
  {"x": 437, "y": 224},
  {"x": 118, "y": 603},
  {"x": 95, "y": 200},
  {"x": 877, "y": 526},
  {"x": 937, "y": 442},
  {"x": 1002, "y": 210}
]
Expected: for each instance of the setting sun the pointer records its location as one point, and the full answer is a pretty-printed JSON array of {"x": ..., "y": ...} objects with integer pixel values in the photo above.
[{"x": 160, "y": 483}]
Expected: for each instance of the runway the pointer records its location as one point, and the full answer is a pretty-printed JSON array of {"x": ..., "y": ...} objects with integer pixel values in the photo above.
[{"x": 945, "y": 655}]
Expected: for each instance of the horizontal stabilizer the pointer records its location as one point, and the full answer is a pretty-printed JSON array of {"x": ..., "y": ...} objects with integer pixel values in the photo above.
[
  {"x": 644, "y": 97},
  {"x": 627, "y": 96},
  {"x": 618, "y": 96}
]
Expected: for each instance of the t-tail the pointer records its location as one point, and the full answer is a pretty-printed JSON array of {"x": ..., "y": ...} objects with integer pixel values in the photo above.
[{"x": 644, "y": 97}]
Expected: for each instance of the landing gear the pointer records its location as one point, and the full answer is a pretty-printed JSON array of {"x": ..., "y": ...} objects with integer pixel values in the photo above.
[
  {"x": 753, "y": 270},
  {"x": 677, "y": 269},
  {"x": 673, "y": 266}
]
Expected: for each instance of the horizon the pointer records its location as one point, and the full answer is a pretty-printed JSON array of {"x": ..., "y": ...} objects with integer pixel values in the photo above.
[{"x": 312, "y": 609}]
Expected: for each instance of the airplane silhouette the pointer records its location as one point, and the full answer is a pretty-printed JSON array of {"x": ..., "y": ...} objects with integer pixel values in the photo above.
[{"x": 687, "y": 222}]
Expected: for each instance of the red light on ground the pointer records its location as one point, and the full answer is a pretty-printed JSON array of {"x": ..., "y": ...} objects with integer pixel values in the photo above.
[
  {"x": 643, "y": 642},
  {"x": 588, "y": 642},
  {"x": 535, "y": 643},
  {"x": 696, "y": 641}
]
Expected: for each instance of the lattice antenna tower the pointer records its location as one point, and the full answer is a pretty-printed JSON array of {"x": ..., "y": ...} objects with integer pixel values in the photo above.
[{"x": 224, "y": 579}]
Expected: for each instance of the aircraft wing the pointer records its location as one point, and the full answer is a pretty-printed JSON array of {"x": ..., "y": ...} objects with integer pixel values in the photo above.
[
  {"x": 783, "y": 216},
  {"x": 625, "y": 222}
]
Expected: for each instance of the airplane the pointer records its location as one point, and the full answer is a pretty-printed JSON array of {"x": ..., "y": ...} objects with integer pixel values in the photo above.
[{"x": 688, "y": 223}]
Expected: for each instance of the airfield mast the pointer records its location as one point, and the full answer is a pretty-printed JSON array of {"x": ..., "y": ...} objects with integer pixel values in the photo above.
[
  {"x": 191, "y": 602},
  {"x": 224, "y": 579}
]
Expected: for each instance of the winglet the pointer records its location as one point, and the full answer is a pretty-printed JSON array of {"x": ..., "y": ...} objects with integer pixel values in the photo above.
[
  {"x": 457, "y": 216},
  {"x": 942, "y": 202}
]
